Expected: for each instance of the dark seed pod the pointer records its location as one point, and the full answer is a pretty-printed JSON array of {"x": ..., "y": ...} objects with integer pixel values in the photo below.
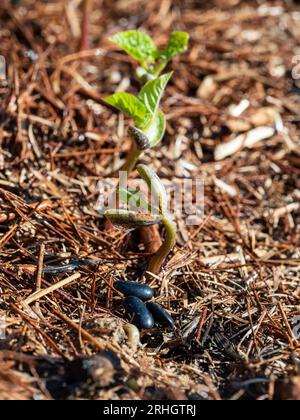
[
  {"x": 160, "y": 315},
  {"x": 137, "y": 309},
  {"x": 131, "y": 288},
  {"x": 141, "y": 140}
]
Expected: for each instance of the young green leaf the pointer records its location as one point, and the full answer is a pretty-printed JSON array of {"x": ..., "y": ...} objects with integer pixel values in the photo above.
[
  {"x": 177, "y": 44},
  {"x": 159, "y": 196},
  {"x": 137, "y": 44},
  {"x": 131, "y": 219},
  {"x": 130, "y": 105},
  {"x": 133, "y": 198},
  {"x": 157, "y": 129},
  {"x": 152, "y": 92}
]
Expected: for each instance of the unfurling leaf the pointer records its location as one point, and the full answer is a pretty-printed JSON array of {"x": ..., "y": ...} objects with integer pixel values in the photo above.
[
  {"x": 130, "y": 105},
  {"x": 131, "y": 219},
  {"x": 152, "y": 92},
  {"x": 159, "y": 196},
  {"x": 157, "y": 129},
  {"x": 177, "y": 44},
  {"x": 133, "y": 199},
  {"x": 137, "y": 44}
]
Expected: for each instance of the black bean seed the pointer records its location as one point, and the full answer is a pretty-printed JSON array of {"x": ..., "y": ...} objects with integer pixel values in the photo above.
[
  {"x": 137, "y": 309},
  {"x": 160, "y": 315},
  {"x": 131, "y": 288}
]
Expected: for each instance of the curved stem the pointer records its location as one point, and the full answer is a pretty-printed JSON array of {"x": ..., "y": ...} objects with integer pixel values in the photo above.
[
  {"x": 170, "y": 240},
  {"x": 132, "y": 159},
  {"x": 160, "y": 67}
]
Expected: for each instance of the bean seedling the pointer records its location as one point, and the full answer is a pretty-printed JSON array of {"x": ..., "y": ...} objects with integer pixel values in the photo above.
[
  {"x": 158, "y": 214},
  {"x": 149, "y": 121},
  {"x": 147, "y": 132}
]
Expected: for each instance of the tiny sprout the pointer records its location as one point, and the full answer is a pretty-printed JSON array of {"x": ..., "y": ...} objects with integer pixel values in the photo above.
[
  {"x": 147, "y": 131},
  {"x": 159, "y": 194},
  {"x": 133, "y": 219},
  {"x": 133, "y": 335}
]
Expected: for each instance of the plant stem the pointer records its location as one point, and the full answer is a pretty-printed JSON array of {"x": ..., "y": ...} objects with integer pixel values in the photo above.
[
  {"x": 150, "y": 237},
  {"x": 170, "y": 240},
  {"x": 161, "y": 66},
  {"x": 132, "y": 159}
]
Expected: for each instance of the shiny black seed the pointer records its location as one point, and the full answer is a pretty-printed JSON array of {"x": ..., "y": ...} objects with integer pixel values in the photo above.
[
  {"x": 160, "y": 315},
  {"x": 130, "y": 288},
  {"x": 138, "y": 311}
]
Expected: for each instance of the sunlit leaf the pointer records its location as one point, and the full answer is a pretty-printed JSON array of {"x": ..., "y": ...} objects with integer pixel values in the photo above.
[
  {"x": 132, "y": 198},
  {"x": 137, "y": 44},
  {"x": 130, "y": 105},
  {"x": 157, "y": 129},
  {"x": 152, "y": 92},
  {"x": 177, "y": 44}
]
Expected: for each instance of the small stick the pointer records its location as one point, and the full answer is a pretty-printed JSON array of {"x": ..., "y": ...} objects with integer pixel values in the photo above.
[
  {"x": 90, "y": 152},
  {"x": 7, "y": 217},
  {"x": 39, "y": 275},
  {"x": 98, "y": 343},
  {"x": 41, "y": 293},
  {"x": 85, "y": 27},
  {"x": 208, "y": 329},
  {"x": 290, "y": 334},
  {"x": 40, "y": 268},
  {"x": 34, "y": 325},
  {"x": 8, "y": 235},
  {"x": 201, "y": 323}
]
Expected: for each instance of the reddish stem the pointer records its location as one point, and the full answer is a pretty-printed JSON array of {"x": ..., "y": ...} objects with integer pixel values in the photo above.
[{"x": 85, "y": 27}]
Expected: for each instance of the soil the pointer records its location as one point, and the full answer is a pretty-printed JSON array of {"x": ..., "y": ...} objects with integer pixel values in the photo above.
[{"x": 232, "y": 283}]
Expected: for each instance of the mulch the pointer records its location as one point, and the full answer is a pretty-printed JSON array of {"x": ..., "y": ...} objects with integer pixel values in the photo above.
[{"x": 231, "y": 284}]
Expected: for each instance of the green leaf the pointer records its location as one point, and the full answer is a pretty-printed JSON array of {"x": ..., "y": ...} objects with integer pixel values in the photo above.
[
  {"x": 177, "y": 44},
  {"x": 137, "y": 44},
  {"x": 132, "y": 198},
  {"x": 157, "y": 129},
  {"x": 152, "y": 92},
  {"x": 130, "y": 105}
]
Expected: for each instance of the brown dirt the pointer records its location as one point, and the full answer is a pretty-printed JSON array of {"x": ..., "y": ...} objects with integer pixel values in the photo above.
[{"x": 232, "y": 283}]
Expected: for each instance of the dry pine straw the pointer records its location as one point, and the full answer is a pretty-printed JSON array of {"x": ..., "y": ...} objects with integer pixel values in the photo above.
[{"x": 233, "y": 282}]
